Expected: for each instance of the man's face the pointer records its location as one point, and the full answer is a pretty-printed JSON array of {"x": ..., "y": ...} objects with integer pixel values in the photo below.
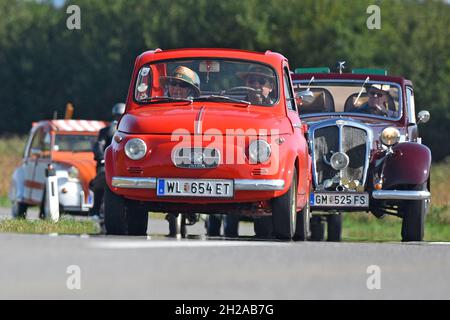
[
  {"x": 179, "y": 89},
  {"x": 260, "y": 83},
  {"x": 377, "y": 98}
]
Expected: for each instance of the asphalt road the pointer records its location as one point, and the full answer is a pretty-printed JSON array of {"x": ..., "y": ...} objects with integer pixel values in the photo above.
[{"x": 157, "y": 267}]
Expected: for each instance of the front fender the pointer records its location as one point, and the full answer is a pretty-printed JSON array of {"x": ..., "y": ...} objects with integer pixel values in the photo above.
[{"x": 409, "y": 164}]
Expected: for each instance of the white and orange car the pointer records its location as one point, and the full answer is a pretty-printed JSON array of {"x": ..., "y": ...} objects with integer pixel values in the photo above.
[{"x": 67, "y": 145}]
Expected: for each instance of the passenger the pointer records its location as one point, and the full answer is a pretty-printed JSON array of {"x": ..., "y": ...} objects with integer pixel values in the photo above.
[
  {"x": 184, "y": 83},
  {"x": 260, "y": 79}
]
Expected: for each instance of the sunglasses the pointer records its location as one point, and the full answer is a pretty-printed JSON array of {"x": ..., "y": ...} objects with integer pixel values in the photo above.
[
  {"x": 261, "y": 81},
  {"x": 376, "y": 94},
  {"x": 180, "y": 84}
]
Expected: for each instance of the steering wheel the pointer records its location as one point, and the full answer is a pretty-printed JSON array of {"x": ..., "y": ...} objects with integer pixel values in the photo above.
[
  {"x": 376, "y": 110},
  {"x": 240, "y": 88}
]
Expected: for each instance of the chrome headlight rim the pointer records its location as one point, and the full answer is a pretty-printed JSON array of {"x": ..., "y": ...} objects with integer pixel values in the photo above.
[
  {"x": 73, "y": 172},
  {"x": 140, "y": 144},
  {"x": 339, "y": 161},
  {"x": 259, "y": 151},
  {"x": 390, "y": 136}
]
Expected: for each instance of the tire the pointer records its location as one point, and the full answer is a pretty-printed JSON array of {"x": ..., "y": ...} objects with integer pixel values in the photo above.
[
  {"x": 284, "y": 212},
  {"x": 173, "y": 225},
  {"x": 302, "y": 229},
  {"x": 263, "y": 227},
  {"x": 317, "y": 229},
  {"x": 19, "y": 210},
  {"x": 115, "y": 214},
  {"x": 213, "y": 225},
  {"x": 334, "y": 227},
  {"x": 415, "y": 211},
  {"x": 137, "y": 219}
]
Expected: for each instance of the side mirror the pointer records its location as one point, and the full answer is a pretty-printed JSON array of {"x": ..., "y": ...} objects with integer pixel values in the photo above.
[
  {"x": 423, "y": 116},
  {"x": 306, "y": 96}
]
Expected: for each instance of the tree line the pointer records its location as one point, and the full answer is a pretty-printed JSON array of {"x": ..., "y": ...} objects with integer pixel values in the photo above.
[{"x": 44, "y": 64}]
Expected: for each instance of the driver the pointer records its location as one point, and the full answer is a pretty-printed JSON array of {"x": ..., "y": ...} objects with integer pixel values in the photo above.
[
  {"x": 260, "y": 79},
  {"x": 378, "y": 102},
  {"x": 184, "y": 83}
]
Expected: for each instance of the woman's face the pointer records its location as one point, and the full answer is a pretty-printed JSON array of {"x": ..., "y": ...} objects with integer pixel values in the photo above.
[{"x": 179, "y": 89}]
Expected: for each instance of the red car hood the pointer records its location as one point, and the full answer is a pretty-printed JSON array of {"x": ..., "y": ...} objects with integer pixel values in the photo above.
[{"x": 196, "y": 119}]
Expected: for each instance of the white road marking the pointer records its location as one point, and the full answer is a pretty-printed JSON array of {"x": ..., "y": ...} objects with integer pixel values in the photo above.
[
  {"x": 446, "y": 243},
  {"x": 142, "y": 244}
]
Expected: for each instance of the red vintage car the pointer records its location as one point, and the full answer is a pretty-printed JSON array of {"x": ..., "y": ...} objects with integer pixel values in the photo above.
[
  {"x": 366, "y": 150},
  {"x": 212, "y": 131}
]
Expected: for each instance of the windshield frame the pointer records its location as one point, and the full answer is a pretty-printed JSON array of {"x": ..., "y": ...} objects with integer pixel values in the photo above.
[
  {"x": 350, "y": 81},
  {"x": 271, "y": 67}
]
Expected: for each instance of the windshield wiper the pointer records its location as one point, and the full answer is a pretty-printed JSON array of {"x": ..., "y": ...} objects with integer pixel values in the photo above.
[
  {"x": 161, "y": 99},
  {"x": 222, "y": 98}
]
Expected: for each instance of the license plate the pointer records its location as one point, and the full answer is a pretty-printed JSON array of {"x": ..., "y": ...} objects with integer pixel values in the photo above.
[
  {"x": 195, "y": 188},
  {"x": 339, "y": 199}
]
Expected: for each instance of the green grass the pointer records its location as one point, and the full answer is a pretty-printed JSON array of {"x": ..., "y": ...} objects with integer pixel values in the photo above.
[
  {"x": 366, "y": 227},
  {"x": 64, "y": 226}
]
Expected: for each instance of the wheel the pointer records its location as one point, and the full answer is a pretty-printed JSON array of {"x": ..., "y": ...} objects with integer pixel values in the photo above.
[
  {"x": 284, "y": 212},
  {"x": 137, "y": 219},
  {"x": 213, "y": 224},
  {"x": 18, "y": 210},
  {"x": 239, "y": 89},
  {"x": 177, "y": 224},
  {"x": 413, "y": 224},
  {"x": 231, "y": 225},
  {"x": 334, "y": 227},
  {"x": 263, "y": 227},
  {"x": 317, "y": 229},
  {"x": 302, "y": 229},
  {"x": 115, "y": 215}
]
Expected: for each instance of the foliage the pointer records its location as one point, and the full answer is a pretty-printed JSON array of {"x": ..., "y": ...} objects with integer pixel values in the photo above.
[{"x": 43, "y": 65}]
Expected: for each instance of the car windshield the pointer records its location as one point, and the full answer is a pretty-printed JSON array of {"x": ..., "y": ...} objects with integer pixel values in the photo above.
[
  {"x": 74, "y": 142},
  {"x": 359, "y": 98},
  {"x": 216, "y": 80}
]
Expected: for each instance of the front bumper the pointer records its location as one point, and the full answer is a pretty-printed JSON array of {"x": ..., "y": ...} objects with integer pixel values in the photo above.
[
  {"x": 401, "y": 195},
  {"x": 239, "y": 184}
]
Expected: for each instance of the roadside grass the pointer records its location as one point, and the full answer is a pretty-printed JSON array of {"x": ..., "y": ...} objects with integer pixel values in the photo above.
[
  {"x": 63, "y": 226},
  {"x": 366, "y": 227}
]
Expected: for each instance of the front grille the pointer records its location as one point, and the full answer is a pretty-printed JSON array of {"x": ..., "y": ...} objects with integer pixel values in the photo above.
[
  {"x": 196, "y": 158},
  {"x": 353, "y": 142}
]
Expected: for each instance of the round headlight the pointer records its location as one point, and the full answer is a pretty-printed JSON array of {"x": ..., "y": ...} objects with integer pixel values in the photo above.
[
  {"x": 339, "y": 161},
  {"x": 390, "y": 136},
  {"x": 135, "y": 149},
  {"x": 259, "y": 151},
  {"x": 73, "y": 172}
]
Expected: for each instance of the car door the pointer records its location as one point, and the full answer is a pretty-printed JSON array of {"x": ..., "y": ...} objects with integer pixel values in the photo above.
[
  {"x": 41, "y": 165},
  {"x": 31, "y": 155}
]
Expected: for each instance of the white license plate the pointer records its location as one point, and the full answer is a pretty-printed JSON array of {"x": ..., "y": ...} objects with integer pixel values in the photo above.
[
  {"x": 339, "y": 199},
  {"x": 195, "y": 188}
]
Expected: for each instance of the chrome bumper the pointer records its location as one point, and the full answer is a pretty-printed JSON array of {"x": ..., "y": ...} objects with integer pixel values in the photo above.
[
  {"x": 239, "y": 184},
  {"x": 401, "y": 195}
]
